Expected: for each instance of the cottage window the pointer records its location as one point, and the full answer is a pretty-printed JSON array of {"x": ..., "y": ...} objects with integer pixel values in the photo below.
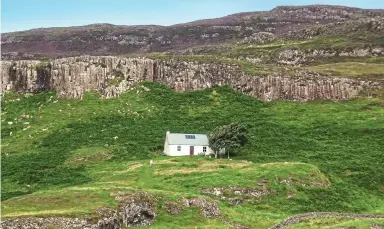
[
  {"x": 204, "y": 149},
  {"x": 178, "y": 148}
]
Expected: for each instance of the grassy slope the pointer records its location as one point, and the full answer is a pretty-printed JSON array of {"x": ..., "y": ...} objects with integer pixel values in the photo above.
[
  {"x": 371, "y": 67},
  {"x": 76, "y": 155}
]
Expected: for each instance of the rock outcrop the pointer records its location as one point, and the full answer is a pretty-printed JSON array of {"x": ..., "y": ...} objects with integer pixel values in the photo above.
[
  {"x": 207, "y": 208},
  {"x": 173, "y": 208},
  {"x": 111, "y": 76},
  {"x": 342, "y": 29},
  {"x": 137, "y": 214},
  {"x": 46, "y": 223},
  {"x": 297, "y": 57},
  {"x": 133, "y": 213},
  {"x": 237, "y": 195},
  {"x": 259, "y": 38},
  {"x": 376, "y": 226},
  {"x": 304, "y": 56}
]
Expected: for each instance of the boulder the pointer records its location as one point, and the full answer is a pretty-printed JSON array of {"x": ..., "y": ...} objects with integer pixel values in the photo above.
[
  {"x": 173, "y": 208},
  {"x": 207, "y": 208},
  {"x": 137, "y": 214}
]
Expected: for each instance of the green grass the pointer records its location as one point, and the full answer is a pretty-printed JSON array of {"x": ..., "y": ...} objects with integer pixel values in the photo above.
[
  {"x": 246, "y": 66},
  {"x": 168, "y": 180},
  {"x": 365, "y": 59},
  {"x": 351, "y": 69},
  {"x": 71, "y": 157},
  {"x": 270, "y": 50},
  {"x": 337, "y": 66}
]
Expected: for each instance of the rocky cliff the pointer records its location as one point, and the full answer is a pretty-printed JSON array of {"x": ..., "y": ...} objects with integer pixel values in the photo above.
[{"x": 110, "y": 76}]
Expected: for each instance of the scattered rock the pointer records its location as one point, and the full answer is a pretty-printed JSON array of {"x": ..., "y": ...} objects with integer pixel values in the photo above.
[
  {"x": 376, "y": 226},
  {"x": 235, "y": 200},
  {"x": 108, "y": 223},
  {"x": 259, "y": 38},
  {"x": 241, "y": 193},
  {"x": 45, "y": 223},
  {"x": 137, "y": 214},
  {"x": 134, "y": 210},
  {"x": 207, "y": 208},
  {"x": 173, "y": 208},
  {"x": 24, "y": 116},
  {"x": 237, "y": 192}
]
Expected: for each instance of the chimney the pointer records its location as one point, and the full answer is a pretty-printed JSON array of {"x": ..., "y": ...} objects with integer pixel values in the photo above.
[{"x": 167, "y": 133}]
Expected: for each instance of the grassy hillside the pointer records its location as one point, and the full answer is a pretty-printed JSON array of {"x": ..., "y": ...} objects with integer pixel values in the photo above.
[{"x": 71, "y": 157}]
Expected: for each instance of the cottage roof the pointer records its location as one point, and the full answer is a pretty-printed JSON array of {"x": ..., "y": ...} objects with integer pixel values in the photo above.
[{"x": 188, "y": 139}]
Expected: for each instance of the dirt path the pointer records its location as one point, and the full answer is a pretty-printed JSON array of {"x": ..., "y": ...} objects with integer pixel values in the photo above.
[{"x": 313, "y": 215}]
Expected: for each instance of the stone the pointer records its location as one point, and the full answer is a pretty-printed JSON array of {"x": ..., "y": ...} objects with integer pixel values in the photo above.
[
  {"x": 243, "y": 194},
  {"x": 314, "y": 215},
  {"x": 137, "y": 214},
  {"x": 207, "y": 208},
  {"x": 172, "y": 208},
  {"x": 259, "y": 38},
  {"x": 235, "y": 200},
  {"x": 237, "y": 192},
  {"x": 73, "y": 76},
  {"x": 376, "y": 226},
  {"x": 24, "y": 116},
  {"x": 108, "y": 223},
  {"x": 45, "y": 223}
]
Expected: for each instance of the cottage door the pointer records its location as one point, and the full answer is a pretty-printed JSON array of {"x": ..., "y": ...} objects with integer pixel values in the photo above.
[{"x": 191, "y": 150}]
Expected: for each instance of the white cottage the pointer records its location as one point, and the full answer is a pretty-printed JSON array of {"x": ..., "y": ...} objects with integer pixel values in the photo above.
[{"x": 186, "y": 144}]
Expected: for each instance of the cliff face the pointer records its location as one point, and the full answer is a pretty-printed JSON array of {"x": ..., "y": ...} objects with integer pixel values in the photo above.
[{"x": 111, "y": 76}]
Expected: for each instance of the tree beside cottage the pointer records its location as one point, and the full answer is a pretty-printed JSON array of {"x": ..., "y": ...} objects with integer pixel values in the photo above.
[{"x": 227, "y": 138}]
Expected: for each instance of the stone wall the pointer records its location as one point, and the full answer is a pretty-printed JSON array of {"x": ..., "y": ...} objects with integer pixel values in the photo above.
[
  {"x": 316, "y": 215},
  {"x": 111, "y": 76}
]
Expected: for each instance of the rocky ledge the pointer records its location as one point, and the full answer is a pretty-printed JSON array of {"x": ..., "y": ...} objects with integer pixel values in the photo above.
[
  {"x": 130, "y": 215},
  {"x": 134, "y": 210},
  {"x": 237, "y": 195},
  {"x": 111, "y": 76}
]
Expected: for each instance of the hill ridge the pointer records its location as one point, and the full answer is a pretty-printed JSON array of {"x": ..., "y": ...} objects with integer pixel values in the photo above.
[{"x": 108, "y": 39}]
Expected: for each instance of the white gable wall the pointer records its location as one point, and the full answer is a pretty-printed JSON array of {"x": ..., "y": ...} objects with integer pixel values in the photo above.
[
  {"x": 166, "y": 146},
  {"x": 183, "y": 152},
  {"x": 171, "y": 150}
]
